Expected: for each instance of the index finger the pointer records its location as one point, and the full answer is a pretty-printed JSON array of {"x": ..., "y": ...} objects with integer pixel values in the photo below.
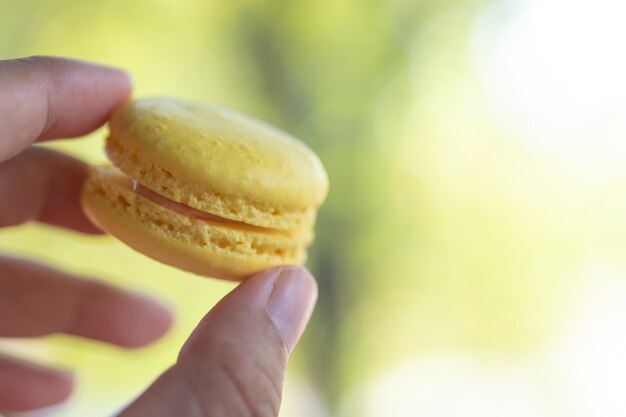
[{"x": 46, "y": 98}]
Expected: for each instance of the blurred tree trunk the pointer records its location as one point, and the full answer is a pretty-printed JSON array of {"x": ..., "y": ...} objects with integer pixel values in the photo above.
[{"x": 321, "y": 67}]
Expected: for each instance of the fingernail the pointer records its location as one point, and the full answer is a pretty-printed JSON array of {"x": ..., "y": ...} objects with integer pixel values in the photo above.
[
  {"x": 149, "y": 320},
  {"x": 291, "y": 302}
]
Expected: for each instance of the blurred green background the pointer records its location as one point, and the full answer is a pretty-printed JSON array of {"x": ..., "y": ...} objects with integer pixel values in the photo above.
[{"x": 470, "y": 256}]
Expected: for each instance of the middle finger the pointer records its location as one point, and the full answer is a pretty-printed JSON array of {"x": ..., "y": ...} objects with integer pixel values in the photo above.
[{"x": 36, "y": 300}]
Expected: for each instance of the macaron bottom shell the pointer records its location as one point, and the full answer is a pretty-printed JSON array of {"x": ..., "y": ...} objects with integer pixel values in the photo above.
[{"x": 210, "y": 248}]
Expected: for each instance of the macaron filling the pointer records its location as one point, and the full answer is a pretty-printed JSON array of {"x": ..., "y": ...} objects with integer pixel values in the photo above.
[{"x": 180, "y": 208}]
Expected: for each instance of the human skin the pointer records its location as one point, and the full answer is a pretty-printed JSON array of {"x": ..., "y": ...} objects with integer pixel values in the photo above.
[{"x": 233, "y": 363}]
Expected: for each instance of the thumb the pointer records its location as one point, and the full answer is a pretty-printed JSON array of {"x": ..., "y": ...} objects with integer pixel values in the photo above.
[{"x": 234, "y": 362}]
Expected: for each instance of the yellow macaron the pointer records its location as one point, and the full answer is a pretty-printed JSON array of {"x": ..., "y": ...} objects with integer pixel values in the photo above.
[{"x": 205, "y": 188}]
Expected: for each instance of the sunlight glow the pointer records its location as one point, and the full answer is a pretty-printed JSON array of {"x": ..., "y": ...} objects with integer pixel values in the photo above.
[{"x": 554, "y": 70}]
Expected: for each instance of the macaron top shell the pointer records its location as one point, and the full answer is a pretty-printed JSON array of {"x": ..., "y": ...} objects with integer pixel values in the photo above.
[{"x": 224, "y": 151}]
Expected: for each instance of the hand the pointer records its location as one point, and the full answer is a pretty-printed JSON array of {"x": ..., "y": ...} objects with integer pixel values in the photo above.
[{"x": 234, "y": 361}]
